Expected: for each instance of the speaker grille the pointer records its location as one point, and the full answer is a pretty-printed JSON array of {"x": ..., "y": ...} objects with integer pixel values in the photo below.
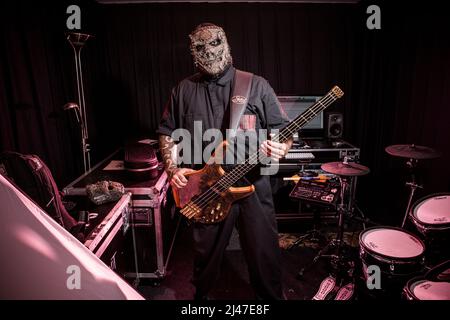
[{"x": 334, "y": 125}]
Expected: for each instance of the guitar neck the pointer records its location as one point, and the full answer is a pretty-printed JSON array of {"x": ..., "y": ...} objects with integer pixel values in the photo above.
[
  {"x": 295, "y": 125},
  {"x": 285, "y": 134}
]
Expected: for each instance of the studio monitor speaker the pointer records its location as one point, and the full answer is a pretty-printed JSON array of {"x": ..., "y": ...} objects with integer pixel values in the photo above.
[{"x": 334, "y": 125}]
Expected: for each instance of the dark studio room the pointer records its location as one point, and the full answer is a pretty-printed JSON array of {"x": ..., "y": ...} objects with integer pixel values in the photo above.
[{"x": 253, "y": 153}]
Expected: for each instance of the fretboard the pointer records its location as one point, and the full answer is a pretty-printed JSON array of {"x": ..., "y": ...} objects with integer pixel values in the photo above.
[{"x": 285, "y": 134}]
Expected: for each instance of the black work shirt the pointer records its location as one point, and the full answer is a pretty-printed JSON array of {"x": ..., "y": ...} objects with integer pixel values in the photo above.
[{"x": 199, "y": 98}]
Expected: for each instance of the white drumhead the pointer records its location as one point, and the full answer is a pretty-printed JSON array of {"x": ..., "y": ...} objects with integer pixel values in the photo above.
[
  {"x": 430, "y": 290},
  {"x": 392, "y": 243},
  {"x": 435, "y": 210}
]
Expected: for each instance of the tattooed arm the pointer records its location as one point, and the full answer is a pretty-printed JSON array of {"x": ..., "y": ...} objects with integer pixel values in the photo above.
[
  {"x": 176, "y": 175},
  {"x": 167, "y": 148}
]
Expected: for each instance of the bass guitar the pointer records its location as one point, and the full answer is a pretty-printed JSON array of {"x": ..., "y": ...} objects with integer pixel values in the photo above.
[{"x": 209, "y": 193}]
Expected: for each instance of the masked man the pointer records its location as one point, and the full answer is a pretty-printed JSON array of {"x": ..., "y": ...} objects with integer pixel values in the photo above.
[{"x": 205, "y": 97}]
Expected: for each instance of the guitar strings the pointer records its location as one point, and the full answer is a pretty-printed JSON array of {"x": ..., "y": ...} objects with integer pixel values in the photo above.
[
  {"x": 282, "y": 133},
  {"x": 287, "y": 129},
  {"x": 234, "y": 175}
]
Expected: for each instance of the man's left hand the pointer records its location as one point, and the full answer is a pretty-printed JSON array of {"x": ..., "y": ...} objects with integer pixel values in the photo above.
[{"x": 275, "y": 150}]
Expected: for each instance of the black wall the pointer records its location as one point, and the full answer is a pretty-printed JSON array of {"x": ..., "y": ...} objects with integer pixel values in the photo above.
[{"x": 396, "y": 80}]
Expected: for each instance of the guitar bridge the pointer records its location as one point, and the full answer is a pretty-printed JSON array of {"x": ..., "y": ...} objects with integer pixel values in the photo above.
[{"x": 190, "y": 210}]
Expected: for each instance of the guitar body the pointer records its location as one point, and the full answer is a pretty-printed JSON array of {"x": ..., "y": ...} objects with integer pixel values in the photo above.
[{"x": 200, "y": 200}]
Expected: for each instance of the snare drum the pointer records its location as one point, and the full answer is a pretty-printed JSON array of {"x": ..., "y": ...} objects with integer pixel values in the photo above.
[
  {"x": 431, "y": 215},
  {"x": 398, "y": 253},
  {"x": 422, "y": 289}
]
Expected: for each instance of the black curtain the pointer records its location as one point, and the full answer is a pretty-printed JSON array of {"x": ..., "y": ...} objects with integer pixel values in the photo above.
[
  {"x": 401, "y": 94},
  {"x": 396, "y": 80},
  {"x": 35, "y": 81}
]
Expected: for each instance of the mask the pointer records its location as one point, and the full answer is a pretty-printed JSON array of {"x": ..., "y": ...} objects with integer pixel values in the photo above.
[{"x": 210, "y": 49}]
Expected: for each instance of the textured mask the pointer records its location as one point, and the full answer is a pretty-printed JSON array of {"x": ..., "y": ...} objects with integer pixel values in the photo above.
[{"x": 210, "y": 49}]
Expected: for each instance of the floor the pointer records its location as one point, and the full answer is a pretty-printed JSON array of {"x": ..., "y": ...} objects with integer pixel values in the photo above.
[{"x": 233, "y": 283}]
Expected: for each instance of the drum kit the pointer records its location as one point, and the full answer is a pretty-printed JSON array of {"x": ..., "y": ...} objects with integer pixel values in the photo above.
[{"x": 398, "y": 254}]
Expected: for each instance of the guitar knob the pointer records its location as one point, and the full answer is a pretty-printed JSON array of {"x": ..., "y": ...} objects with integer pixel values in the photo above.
[
  {"x": 218, "y": 206},
  {"x": 212, "y": 212}
]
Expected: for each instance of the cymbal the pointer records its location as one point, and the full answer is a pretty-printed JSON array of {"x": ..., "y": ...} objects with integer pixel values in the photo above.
[
  {"x": 411, "y": 151},
  {"x": 345, "y": 169}
]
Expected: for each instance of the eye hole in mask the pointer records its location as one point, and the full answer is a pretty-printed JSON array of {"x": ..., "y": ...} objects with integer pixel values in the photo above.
[
  {"x": 215, "y": 43},
  {"x": 199, "y": 47}
]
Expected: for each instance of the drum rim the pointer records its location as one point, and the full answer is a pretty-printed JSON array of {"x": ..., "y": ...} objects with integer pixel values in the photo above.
[
  {"x": 429, "y": 274},
  {"x": 421, "y": 279},
  {"x": 390, "y": 258},
  {"x": 428, "y": 226},
  {"x": 408, "y": 284},
  {"x": 424, "y": 224}
]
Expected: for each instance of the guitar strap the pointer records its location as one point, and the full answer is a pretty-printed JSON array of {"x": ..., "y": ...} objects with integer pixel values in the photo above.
[{"x": 239, "y": 98}]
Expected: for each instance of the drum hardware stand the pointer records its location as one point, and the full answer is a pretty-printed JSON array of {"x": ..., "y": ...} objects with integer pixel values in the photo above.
[
  {"x": 353, "y": 206},
  {"x": 412, "y": 165},
  {"x": 314, "y": 235},
  {"x": 362, "y": 219},
  {"x": 355, "y": 212},
  {"x": 413, "y": 153},
  {"x": 338, "y": 259},
  {"x": 352, "y": 202}
]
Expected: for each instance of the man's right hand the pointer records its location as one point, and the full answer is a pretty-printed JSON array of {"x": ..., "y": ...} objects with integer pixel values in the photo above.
[{"x": 178, "y": 179}]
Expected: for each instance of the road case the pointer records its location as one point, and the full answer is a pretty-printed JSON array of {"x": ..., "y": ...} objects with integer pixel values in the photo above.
[
  {"x": 153, "y": 221},
  {"x": 107, "y": 226}
]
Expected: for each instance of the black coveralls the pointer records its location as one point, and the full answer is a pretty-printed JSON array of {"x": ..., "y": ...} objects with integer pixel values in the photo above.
[{"x": 201, "y": 99}]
